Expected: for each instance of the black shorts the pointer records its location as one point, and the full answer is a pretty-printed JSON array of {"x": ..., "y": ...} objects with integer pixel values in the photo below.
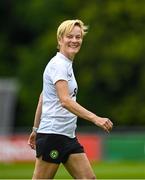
[{"x": 56, "y": 148}]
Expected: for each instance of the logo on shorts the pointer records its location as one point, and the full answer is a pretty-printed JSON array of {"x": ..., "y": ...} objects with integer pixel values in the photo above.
[{"x": 54, "y": 154}]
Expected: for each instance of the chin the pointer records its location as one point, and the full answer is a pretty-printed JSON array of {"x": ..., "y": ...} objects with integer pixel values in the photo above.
[{"x": 74, "y": 51}]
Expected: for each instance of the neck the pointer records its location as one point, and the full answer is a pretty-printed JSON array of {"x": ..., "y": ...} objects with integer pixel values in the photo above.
[{"x": 69, "y": 56}]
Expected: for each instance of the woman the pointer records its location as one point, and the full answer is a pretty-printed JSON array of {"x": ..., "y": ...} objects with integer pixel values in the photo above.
[{"x": 58, "y": 110}]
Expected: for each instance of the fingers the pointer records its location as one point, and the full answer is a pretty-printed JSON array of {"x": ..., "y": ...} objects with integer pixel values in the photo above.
[
  {"x": 104, "y": 123},
  {"x": 31, "y": 141},
  {"x": 108, "y": 125},
  {"x": 32, "y": 145}
]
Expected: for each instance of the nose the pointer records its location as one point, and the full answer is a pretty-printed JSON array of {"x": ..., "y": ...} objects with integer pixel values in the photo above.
[{"x": 74, "y": 39}]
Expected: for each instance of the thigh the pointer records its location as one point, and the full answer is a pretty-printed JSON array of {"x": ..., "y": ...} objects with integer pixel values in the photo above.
[
  {"x": 44, "y": 170},
  {"x": 79, "y": 166}
]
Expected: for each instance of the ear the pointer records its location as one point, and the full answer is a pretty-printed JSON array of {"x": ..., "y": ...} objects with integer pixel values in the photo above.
[{"x": 59, "y": 40}]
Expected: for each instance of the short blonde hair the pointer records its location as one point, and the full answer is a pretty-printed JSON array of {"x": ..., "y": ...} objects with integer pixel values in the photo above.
[{"x": 67, "y": 26}]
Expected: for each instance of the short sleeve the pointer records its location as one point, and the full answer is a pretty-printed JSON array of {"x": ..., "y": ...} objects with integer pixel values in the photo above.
[{"x": 59, "y": 72}]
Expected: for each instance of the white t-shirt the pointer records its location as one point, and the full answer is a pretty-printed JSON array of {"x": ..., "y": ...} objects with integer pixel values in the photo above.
[{"x": 56, "y": 119}]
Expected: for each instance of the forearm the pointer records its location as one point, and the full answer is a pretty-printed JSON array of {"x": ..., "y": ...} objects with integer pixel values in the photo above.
[
  {"x": 79, "y": 110},
  {"x": 38, "y": 112}
]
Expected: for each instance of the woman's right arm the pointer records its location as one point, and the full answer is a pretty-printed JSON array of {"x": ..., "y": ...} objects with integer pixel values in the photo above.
[{"x": 32, "y": 137}]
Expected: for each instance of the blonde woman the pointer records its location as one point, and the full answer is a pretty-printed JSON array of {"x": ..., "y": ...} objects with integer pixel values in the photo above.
[{"x": 53, "y": 135}]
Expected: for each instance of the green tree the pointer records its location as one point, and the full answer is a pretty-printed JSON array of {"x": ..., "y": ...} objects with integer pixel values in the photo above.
[{"x": 109, "y": 68}]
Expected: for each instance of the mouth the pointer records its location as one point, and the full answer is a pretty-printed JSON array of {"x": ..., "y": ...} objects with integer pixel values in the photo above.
[{"x": 74, "y": 46}]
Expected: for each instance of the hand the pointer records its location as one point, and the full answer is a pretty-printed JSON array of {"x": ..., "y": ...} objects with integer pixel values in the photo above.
[
  {"x": 32, "y": 140},
  {"x": 104, "y": 123}
]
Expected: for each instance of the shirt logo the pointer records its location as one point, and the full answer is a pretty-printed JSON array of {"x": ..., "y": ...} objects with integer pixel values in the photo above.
[
  {"x": 54, "y": 154},
  {"x": 70, "y": 75}
]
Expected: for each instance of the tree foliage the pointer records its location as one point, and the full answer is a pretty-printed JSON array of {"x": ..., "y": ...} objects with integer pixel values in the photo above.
[{"x": 109, "y": 68}]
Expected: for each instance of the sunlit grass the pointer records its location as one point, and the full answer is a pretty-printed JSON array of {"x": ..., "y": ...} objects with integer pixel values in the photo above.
[{"x": 103, "y": 170}]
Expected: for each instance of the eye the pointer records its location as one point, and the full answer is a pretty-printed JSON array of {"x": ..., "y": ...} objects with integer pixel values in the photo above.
[
  {"x": 78, "y": 37},
  {"x": 69, "y": 36}
]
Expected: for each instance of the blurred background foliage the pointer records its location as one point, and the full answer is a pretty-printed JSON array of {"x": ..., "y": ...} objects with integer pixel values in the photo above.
[{"x": 110, "y": 68}]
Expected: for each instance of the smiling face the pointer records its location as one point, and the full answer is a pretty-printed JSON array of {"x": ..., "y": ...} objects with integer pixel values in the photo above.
[{"x": 70, "y": 43}]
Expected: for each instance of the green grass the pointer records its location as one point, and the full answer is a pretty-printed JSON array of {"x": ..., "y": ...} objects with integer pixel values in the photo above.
[{"x": 103, "y": 170}]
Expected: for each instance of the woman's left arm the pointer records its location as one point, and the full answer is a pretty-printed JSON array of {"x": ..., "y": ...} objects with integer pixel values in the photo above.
[{"x": 77, "y": 109}]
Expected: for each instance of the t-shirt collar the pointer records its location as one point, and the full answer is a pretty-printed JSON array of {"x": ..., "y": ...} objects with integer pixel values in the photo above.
[{"x": 64, "y": 57}]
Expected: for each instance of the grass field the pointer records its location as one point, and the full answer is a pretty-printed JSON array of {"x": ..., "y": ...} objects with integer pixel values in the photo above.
[{"x": 103, "y": 170}]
